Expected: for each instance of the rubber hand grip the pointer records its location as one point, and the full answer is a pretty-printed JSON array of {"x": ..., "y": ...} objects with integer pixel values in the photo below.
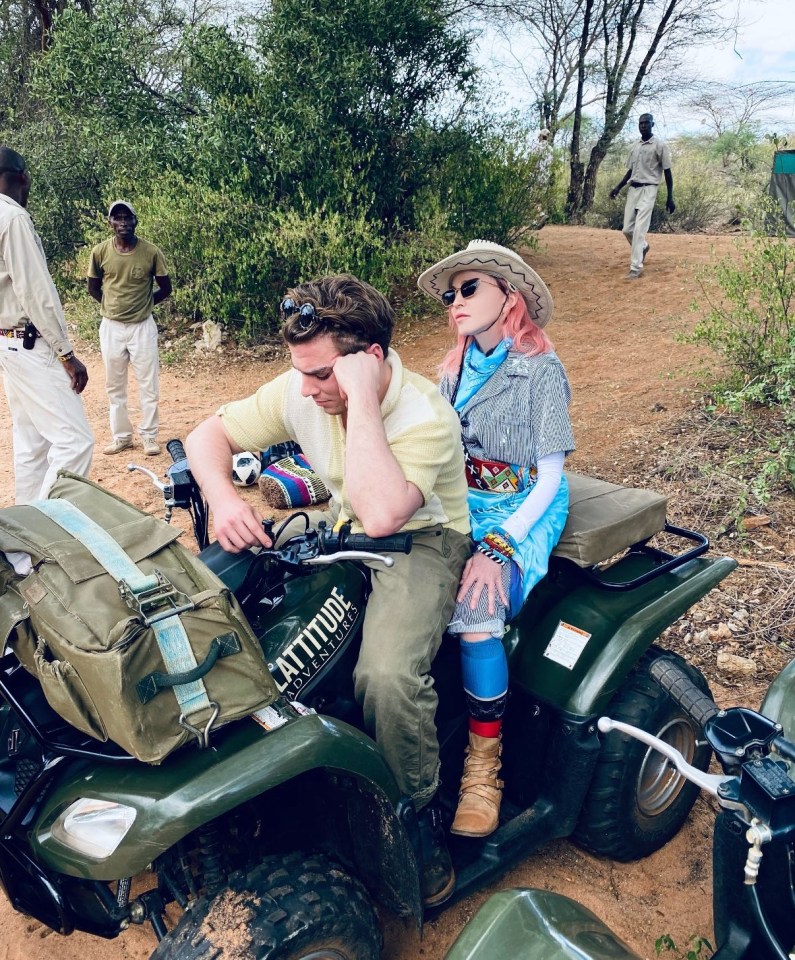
[
  {"x": 398, "y": 543},
  {"x": 678, "y": 685},
  {"x": 176, "y": 450}
]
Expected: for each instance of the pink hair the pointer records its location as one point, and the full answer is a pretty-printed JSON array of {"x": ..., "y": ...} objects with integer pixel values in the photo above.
[{"x": 527, "y": 337}]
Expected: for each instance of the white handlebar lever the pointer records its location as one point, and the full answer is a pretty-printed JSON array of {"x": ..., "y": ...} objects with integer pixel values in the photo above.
[
  {"x": 152, "y": 476},
  {"x": 706, "y": 781},
  {"x": 352, "y": 555}
]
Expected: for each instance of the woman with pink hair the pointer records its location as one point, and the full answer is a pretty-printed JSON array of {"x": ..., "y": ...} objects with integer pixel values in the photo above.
[{"x": 511, "y": 394}]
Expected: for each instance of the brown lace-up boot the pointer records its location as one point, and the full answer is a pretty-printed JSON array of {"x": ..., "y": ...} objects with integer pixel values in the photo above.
[{"x": 478, "y": 810}]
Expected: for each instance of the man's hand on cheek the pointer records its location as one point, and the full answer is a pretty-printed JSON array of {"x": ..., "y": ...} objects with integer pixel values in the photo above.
[{"x": 357, "y": 372}]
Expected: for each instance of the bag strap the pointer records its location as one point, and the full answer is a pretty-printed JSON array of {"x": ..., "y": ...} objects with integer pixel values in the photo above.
[{"x": 139, "y": 589}]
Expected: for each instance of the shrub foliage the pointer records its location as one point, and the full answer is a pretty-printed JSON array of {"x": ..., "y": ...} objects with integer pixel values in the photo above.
[{"x": 308, "y": 138}]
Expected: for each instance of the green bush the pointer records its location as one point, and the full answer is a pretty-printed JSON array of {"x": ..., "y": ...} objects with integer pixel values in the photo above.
[
  {"x": 697, "y": 948},
  {"x": 491, "y": 182},
  {"x": 750, "y": 318},
  {"x": 750, "y": 323},
  {"x": 261, "y": 154},
  {"x": 62, "y": 193},
  {"x": 232, "y": 260}
]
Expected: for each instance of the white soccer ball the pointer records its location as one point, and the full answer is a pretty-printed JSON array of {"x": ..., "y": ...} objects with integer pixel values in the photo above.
[{"x": 246, "y": 469}]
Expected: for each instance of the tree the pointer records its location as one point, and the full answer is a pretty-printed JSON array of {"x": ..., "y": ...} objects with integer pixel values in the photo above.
[
  {"x": 26, "y": 31},
  {"x": 735, "y": 116},
  {"x": 607, "y": 53},
  {"x": 307, "y": 137},
  {"x": 725, "y": 107},
  {"x": 350, "y": 89}
]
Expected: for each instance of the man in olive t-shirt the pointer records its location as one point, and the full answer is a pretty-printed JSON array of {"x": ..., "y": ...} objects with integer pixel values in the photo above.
[{"x": 121, "y": 277}]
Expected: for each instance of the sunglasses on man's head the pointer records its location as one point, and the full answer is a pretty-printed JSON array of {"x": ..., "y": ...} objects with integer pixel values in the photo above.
[
  {"x": 307, "y": 315},
  {"x": 467, "y": 289}
]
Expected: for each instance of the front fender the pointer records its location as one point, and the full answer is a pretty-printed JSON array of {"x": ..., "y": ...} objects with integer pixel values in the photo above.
[
  {"x": 527, "y": 924},
  {"x": 779, "y": 702},
  {"x": 193, "y": 787}
]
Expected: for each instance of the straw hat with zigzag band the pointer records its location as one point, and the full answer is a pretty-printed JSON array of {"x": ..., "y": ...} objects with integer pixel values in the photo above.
[{"x": 497, "y": 261}]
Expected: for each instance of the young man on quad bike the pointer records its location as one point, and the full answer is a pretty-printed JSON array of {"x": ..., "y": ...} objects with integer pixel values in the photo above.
[{"x": 386, "y": 445}]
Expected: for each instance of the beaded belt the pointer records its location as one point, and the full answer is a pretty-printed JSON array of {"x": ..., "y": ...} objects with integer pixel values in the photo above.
[{"x": 17, "y": 333}]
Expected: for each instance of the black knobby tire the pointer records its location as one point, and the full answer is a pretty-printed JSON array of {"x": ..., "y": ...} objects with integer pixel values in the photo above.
[
  {"x": 289, "y": 908},
  {"x": 637, "y": 801}
]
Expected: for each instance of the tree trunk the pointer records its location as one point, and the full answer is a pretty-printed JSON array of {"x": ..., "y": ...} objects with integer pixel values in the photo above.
[
  {"x": 573, "y": 200},
  {"x": 589, "y": 183},
  {"x": 574, "y": 196}
]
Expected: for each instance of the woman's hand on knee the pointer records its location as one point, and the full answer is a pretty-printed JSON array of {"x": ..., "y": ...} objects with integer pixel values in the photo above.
[{"x": 481, "y": 573}]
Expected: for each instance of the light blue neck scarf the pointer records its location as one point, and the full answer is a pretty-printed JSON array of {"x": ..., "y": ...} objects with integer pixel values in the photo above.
[{"x": 478, "y": 368}]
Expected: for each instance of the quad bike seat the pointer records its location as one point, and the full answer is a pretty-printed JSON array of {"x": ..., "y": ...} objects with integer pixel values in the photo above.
[{"x": 606, "y": 518}]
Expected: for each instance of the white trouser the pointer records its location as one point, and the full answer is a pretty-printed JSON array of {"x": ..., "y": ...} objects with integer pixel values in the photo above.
[
  {"x": 637, "y": 217},
  {"x": 133, "y": 345},
  {"x": 50, "y": 429}
]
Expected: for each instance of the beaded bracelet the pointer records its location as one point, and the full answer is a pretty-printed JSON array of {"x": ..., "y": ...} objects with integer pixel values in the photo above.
[
  {"x": 492, "y": 554},
  {"x": 498, "y": 546}
]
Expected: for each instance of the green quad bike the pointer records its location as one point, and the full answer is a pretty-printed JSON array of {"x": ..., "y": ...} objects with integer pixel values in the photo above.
[{"x": 277, "y": 842}]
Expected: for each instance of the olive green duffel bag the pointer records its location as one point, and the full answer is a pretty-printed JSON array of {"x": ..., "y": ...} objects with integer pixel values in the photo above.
[{"x": 132, "y": 638}]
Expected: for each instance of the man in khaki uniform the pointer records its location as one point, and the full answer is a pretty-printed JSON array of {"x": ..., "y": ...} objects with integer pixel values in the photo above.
[
  {"x": 50, "y": 429},
  {"x": 649, "y": 160},
  {"x": 122, "y": 274}
]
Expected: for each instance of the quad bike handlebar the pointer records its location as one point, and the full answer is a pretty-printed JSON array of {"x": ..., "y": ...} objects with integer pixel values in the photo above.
[
  {"x": 312, "y": 547},
  {"x": 754, "y": 785}
]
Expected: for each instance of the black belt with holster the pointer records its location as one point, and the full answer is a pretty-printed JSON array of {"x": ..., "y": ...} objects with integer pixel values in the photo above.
[{"x": 27, "y": 334}]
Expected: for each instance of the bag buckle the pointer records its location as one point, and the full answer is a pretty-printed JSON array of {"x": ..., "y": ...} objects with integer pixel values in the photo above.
[
  {"x": 157, "y": 602},
  {"x": 203, "y": 736}
]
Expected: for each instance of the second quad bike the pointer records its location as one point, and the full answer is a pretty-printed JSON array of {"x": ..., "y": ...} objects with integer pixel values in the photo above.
[
  {"x": 289, "y": 828},
  {"x": 753, "y": 888}
]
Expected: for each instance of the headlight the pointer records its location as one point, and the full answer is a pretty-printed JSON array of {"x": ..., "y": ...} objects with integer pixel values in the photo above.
[{"x": 93, "y": 827}]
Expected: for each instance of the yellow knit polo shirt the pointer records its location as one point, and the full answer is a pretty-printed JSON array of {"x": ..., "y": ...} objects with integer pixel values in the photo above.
[{"x": 421, "y": 427}]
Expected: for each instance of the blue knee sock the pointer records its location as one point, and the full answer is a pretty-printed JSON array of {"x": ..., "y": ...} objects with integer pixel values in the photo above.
[{"x": 484, "y": 667}]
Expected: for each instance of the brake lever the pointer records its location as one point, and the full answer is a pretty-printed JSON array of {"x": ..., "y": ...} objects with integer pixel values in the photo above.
[
  {"x": 156, "y": 481},
  {"x": 706, "y": 781},
  {"x": 351, "y": 555}
]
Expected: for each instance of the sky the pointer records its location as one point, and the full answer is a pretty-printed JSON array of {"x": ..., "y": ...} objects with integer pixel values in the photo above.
[{"x": 763, "y": 49}]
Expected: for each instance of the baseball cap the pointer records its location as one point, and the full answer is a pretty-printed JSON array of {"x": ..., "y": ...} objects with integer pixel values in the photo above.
[{"x": 122, "y": 203}]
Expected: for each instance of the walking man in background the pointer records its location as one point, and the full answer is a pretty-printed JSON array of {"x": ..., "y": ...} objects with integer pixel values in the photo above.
[
  {"x": 649, "y": 159},
  {"x": 50, "y": 429},
  {"x": 122, "y": 274}
]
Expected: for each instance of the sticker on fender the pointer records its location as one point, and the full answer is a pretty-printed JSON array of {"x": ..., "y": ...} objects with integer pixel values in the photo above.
[
  {"x": 271, "y": 718},
  {"x": 566, "y": 645}
]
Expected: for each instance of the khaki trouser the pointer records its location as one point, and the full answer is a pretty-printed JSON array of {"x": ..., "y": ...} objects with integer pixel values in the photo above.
[
  {"x": 637, "y": 219},
  {"x": 406, "y": 615},
  {"x": 49, "y": 426},
  {"x": 405, "y": 618},
  {"x": 133, "y": 345}
]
